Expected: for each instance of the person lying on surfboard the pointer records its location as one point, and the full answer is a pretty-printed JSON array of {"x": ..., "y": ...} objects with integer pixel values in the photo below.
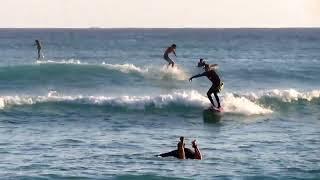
[
  {"x": 216, "y": 84},
  {"x": 171, "y": 49},
  {"x": 184, "y": 153}
]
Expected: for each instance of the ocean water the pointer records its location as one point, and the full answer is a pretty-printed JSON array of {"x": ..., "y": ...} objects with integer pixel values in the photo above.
[{"x": 101, "y": 104}]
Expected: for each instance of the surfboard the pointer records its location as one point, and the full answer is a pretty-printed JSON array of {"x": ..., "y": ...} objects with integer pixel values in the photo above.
[
  {"x": 212, "y": 114},
  {"x": 216, "y": 110}
]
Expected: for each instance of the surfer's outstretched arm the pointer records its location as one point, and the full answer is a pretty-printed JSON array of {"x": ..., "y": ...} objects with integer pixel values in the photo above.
[{"x": 198, "y": 75}]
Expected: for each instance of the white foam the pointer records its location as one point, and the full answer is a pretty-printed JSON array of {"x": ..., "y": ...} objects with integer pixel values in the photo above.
[
  {"x": 192, "y": 99},
  {"x": 125, "y": 68},
  {"x": 153, "y": 72},
  {"x": 288, "y": 95},
  {"x": 68, "y": 61},
  {"x": 175, "y": 72},
  {"x": 237, "y": 104},
  {"x": 242, "y": 105}
]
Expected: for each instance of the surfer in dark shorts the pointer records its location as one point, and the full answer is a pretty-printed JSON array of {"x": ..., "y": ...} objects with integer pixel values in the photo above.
[
  {"x": 171, "y": 49},
  {"x": 38, "y": 44},
  {"x": 216, "y": 83},
  {"x": 183, "y": 152}
]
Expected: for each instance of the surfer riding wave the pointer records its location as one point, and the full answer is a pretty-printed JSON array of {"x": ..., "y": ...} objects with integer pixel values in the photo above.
[{"x": 216, "y": 84}]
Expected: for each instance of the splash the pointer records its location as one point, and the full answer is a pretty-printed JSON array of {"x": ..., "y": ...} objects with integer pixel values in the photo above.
[
  {"x": 152, "y": 72},
  {"x": 242, "y": 105},
  {"x": 125, "y": 68}
]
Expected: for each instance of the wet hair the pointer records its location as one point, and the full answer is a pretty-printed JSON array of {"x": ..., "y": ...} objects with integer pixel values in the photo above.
[
  {"x": 174, "y": 45},
  {"x": 201, "y": 59},
  {"x": 181, "y": 138}
]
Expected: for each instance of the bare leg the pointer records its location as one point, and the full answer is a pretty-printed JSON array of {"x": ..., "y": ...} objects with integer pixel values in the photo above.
[{"x": 196, "y": 150}]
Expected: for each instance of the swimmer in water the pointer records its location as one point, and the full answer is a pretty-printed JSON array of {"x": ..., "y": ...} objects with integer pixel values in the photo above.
[{"x": 183, "y": 152}]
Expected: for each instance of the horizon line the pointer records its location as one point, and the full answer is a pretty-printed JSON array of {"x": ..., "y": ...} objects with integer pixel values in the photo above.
[{"x": 94, "y": 27}]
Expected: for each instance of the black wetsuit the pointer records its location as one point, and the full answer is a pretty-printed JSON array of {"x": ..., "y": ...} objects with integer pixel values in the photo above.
[
  {"x": 39, "y": 49},
  {"x": 215, "y": 88},
  {"x": 188, "y": 152},
  {"x": 214, "y": 78}
]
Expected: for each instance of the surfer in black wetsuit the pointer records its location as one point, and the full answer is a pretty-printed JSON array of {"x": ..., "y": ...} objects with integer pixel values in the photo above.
[
  {"x": 216, "y": 83},
  {"x": 38, "y": 44},
  {"x": 184, "y": 153}
]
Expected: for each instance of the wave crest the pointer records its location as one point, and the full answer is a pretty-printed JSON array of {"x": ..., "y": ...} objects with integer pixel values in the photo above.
[
  {"x": 66, "y": 61},
  {"x": 148, "y": 71},
  {"x": 289, "y": 95},
  {"x": 182, "y": 100},
  {"x": 151, "y": 71}
]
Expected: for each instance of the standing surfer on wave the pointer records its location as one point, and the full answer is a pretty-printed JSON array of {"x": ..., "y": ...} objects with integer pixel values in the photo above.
[
  {"x": 171, "y": 49},
  {"x": 216, "y": 84},
  {"x": 38, "y": 44}
]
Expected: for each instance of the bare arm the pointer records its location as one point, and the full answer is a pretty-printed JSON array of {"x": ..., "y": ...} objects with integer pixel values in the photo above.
[
  {"x": 181, "y": 152},
  {"x": 197, "y": 152},
  {"x": 174, "y": 52}
]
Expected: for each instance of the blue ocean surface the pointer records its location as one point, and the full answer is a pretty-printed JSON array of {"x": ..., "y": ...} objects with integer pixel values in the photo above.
[{"x": 102, "y": 104}]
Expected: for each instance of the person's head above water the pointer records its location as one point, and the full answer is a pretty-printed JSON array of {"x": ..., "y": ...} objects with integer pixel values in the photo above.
[
  {"x": 174, "y": 46},
  {"x": 181, "y": 138}
]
